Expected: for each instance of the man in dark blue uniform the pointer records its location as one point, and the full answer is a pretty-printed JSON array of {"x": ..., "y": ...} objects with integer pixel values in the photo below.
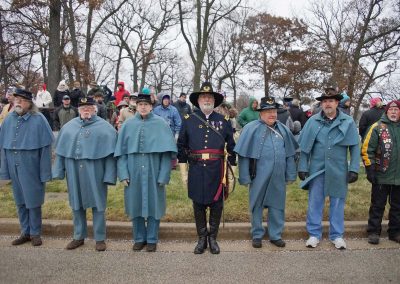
[{"x": 201, "y": 143}]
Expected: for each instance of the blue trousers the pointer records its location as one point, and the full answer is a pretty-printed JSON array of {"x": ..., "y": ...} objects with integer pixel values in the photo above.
[
  {"x": 316, "y": 202},
  {"x": 275, "y": 220},
  {"x": 30, "y": 220},
  {"x": 143, "y": 233},
  {"x": 80, "y": 224}
]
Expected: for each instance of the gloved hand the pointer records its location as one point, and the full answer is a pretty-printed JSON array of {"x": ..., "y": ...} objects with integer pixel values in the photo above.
[
  {"x": 125, "y": 182},
  {"x": 371, "y": 175},
  {"x": 176, "y": 137},
  {"x": 302, "y": 175},
  {"x": 184, "y": 173},
  {"x": 352, "y": 177}
]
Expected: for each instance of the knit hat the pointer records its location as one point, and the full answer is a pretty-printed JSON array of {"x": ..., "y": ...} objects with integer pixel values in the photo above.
[
  {"x": 374, "y": 102},
  {"x": 392, "y": 104}
]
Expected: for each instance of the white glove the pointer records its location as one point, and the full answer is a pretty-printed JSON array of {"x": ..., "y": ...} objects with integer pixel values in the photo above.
[
  {"x": 184, "y": 173},
  {"x": 176, "y": 137},
  {"x": 125, "y": 182}
]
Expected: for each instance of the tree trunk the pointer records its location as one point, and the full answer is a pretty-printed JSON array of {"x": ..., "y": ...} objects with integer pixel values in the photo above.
[
  {"x": 3, "y": 69},
  {"x": 117, "y": 68},
  {"x": 74, "y": 40},
  {"x": 54, "y": 63}
]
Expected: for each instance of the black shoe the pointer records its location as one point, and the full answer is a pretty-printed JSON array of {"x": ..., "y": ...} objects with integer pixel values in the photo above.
[
  {"x": 75, "y": 244},
  {"x": 36, "y": 241},
  {"x": 201, "y": 245},
  {"x": 373, "y": 239},
  {"x": 214, "y": 247},
  {"x": 101, "y": 246},
  {"x": 151, "y": 247},
  {"x": 395, "y": 238},
  {"x": 256, "y": 243},
  {"x": 279, "y": 243},
  {"x": 21, "y": 240},
  {"x": 138, "y": 246}
]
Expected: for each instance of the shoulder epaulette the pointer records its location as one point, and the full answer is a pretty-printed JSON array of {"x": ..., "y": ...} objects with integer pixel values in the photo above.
[
  {"x": 226, "y": 117},
  {"x": 186, "y": 116}
]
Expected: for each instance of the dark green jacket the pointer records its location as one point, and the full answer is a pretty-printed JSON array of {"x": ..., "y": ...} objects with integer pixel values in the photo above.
[{"x": 373, "y": 147}]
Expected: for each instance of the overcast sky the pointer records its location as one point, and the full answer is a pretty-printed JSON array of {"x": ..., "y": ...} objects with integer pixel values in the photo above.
[{"x": 284, "y": 8}]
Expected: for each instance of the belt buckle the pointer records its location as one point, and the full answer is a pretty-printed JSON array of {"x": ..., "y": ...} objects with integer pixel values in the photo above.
[{"x": 205, "y": 156}]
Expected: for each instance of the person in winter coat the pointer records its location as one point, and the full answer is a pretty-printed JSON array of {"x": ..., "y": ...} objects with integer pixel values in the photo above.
[
  {"x": 284, "y": 115},
  {"x": 76, "y": 94},
  {"x": 144, "y": 167},
  {"x": 170, "y": 114},
  {"x": 42, "y": 100},
  {"x": 25, "y": 143},
  {"x": 371, "y": 116},
  {"x": 296, "y": 112},
  {"x": 62, "y": 90},
  {"x": 64, "y": 113},
  {"x": 182, "y": 106},
  {"x": 381, "y": 157},
  {"x": 248, "y": 114},
  {"x": 345, "y": 104},
  {"x": 325, "y": 143},
  {"x": 121, "y": 91},
  {"x": 85, "y": 156},
  {"x": 271, "y": 146},
  {"x": 43, "y": 97}
]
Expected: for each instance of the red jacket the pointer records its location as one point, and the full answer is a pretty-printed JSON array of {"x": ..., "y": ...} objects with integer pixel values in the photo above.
[{"x": 120, "y": 93}]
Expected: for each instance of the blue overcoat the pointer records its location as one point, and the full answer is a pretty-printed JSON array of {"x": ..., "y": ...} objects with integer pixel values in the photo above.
[
  {"x": 145, "y": 149},
  {"x": 85, "y": 154},
  {"x": 274, "y": 150},
  {"x": 324, "y": 149},
  {"x": 25, "y": 142}
]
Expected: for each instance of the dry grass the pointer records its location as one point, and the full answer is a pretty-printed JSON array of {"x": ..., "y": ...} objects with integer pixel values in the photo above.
[{"x": 179, "y": 207}]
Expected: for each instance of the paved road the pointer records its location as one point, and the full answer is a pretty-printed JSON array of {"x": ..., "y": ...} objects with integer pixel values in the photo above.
[{"x": 174, "y": 262}]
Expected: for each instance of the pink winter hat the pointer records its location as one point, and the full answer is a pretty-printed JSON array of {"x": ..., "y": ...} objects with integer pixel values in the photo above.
[{"x": 373, "y": 102}]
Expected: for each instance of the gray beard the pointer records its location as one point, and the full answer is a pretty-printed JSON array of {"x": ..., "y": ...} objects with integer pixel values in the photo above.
[
  {"x": 19, "y": 110},
  {"x": 206, "y": 109}
]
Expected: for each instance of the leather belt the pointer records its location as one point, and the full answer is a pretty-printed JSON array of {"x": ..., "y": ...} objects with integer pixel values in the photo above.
[{"x": 206, "y": 156}]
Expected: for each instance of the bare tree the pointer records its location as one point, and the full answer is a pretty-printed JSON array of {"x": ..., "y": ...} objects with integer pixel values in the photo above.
[
  {"x": 207, "y": 14},
  {"x": 361, "y": 40}
]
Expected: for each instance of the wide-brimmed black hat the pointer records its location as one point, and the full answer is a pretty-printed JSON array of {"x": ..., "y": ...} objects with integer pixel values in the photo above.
[
  {"x": 330, "y": 93},
  {"x": 23, "y": 94},
  {"x": 86, "y": 101},
  {"x": 206, "y": 88},
  {"x": 268, "y": 103}
]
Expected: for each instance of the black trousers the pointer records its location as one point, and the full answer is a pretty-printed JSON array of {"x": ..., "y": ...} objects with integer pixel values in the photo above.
[{"x": 380, "y": 194}]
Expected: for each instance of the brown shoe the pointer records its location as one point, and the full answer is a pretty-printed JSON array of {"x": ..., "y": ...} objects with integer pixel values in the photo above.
[
  {"x": 75, "y": 244},
  {"x": 101, "y": 246},
  {"x": 151, "y": 247},
  {"x": 36, "y": 241},
  {"x": 21, "y": 240}
]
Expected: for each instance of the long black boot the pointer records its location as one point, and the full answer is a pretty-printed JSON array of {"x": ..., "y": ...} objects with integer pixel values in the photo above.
[
  {"x": 201, "y": 226},
  {"x": 215, "y": 219}
]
